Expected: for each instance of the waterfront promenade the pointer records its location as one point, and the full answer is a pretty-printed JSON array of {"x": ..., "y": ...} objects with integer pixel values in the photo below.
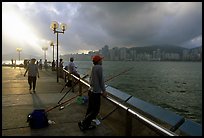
[{"x": 17, "y": 103}]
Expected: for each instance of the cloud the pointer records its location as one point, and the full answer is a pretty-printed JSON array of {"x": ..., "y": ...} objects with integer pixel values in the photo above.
[
  {"x": 138, "y": 23},
  {"x": 91, "y": 25}
]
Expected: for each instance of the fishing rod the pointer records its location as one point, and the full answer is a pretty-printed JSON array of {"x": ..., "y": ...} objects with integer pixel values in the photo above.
[
  {"x": 115, "y": 109},
  {"x": 62, "y": 103},
  {"x": 119, "y": 74},
  {"x": 85, "y": 75},
  {"x": 122, "y": 102},
  {"x": 72, "y": 87},
  {"x": 62, "y": 107}
]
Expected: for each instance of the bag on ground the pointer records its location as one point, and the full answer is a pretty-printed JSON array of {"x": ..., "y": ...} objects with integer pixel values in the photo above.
[{"x": 37, "y": 119}]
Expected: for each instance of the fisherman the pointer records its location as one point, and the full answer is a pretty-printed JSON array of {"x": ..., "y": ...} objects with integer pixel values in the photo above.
[
  {"x": 72, "y": 68},
  {"x": 97, "y": 88}
]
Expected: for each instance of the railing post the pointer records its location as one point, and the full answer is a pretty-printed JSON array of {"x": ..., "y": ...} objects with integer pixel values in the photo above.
[
  {"x": 128, "y": 123},
  {"x": 65, "y": 77},
  {"x": 73, "y": 81},
  {"x": 80, "y": 89}
]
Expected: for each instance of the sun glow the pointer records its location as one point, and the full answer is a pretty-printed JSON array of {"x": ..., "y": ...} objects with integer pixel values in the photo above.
[
  {"x": 83, "y": 51},
  {"x": 17, "y": 32},
  {"x": 14, "y": 27}
]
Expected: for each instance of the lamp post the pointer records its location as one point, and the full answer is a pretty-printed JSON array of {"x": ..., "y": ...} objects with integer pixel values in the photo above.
[
  {"x": 54, "y": 26},
  {"x": 52, "y": 44},
  {"x": 45, "y": 48},
  {"x": 19, "y": 50}
]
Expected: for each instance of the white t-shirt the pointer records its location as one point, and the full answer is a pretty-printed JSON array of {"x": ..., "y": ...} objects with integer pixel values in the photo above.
[{"x": 71, "y": 67}]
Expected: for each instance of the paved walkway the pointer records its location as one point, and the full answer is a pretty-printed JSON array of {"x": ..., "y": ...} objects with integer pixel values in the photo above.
[{"x": 17, "y": 103}]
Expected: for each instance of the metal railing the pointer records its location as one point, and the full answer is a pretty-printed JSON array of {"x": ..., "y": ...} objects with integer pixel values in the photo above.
[
  {"x": 147, "y": 122},
  {"x": 160, "y": 130}
]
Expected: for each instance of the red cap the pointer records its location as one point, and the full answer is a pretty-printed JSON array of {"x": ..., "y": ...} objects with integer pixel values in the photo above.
[{"x": 97, "y": 58}]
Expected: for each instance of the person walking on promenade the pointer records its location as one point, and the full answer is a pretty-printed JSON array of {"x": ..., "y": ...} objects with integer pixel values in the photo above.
[
  {"x": 53, "y": 65},
  {"x": 37, "y": 63},
  {"x": 45, "y": 64},
  {"x": 40, "y": 64},
  {"x": 12, "y": 62},
  {"x": 32, "y": 70},
  {"x": 97, "y": 88},
  {"x": 15, "y": 63},
  {"x": 61, "y": 69}
]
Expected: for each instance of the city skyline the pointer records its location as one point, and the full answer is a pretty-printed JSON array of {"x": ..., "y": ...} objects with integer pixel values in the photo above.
[
  {"x": 91, "y": 25},
  {"x": 151, "y": 53},
  {"x": 106, "y": 49}
]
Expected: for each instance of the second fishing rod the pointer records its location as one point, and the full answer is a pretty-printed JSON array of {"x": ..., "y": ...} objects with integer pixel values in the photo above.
[
  {"x": 63, "y": 104},
  {"x": 73, "y": 87}
]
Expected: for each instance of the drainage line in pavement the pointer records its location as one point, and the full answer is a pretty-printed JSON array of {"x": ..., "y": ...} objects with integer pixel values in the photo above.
[{"x": 14, "y": 128}]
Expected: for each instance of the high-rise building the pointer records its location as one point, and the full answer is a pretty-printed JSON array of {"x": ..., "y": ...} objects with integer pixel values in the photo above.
[
  {"x": 122, "y": 53},
  {"x": 105, "y": 52}
]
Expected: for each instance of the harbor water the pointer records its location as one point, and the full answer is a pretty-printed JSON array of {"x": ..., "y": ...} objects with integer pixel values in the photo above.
[{"x": 175, "y": 86}]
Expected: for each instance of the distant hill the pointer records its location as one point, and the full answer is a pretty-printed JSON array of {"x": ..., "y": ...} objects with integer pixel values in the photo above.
[
  {"x": 164, "y": 48},
  {"x": 196, "y": 47}
]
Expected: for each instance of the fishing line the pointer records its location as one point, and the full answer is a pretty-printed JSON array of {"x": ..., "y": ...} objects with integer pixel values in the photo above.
[
  {"x": 72, "y": 87},
  {"x": 62, "y": 103},
  {"x": 110, "y": 78}
]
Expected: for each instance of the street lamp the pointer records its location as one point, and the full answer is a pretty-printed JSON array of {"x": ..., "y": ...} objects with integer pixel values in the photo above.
[
  {"x": 54, "y": 26},
  {"x": 52, "y": 44},
  {"x": 19, "y": 50},
  {"x": 45, "y": 48}
]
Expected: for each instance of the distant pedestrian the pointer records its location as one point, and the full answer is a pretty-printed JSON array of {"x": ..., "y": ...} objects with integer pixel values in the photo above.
[
  {"x": 15, "y": 63},
  {"x": 37, "y": 62},
  {"x": 53, "y": 65},
  {"x": 45, "y": 64},
  {"x": 32, "y": 70},
  {"x": 60, "y": 71},
  {"x": 72, "y": 68},
  {"x": 40, "y": 64},
  {"x": 97, "y": 88},
  {"x": 26, "y": 62},
  {"x": 12, "y": 62}
]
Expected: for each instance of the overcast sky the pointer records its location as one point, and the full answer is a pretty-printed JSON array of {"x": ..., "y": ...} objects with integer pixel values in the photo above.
[{"x": 92, "y": 25}]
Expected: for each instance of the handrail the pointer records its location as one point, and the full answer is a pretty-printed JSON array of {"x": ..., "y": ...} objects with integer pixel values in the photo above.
[
  {"x": 149, "y": 123},
  {"x": 159, "y": 129},
  {"x": 82, "y": 81}
]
